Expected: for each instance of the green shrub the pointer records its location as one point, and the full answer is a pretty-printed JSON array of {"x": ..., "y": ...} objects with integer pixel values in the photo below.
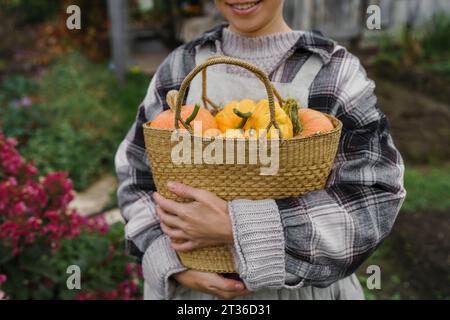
[
  {"x": 436, "y": 40},
  {"x": 129, "y": 97},
  {"x": 80, "y": 118},
  {"x": 389, "y": 53},
  {"x": 427, "y": 189},
  {"x": 428, "y": 49},
  {"x": 440, "y": 68},
  {"x": 63, "y": 148},
  {"x": 19, "y": 114},
  {"x": 104, "y": 264},
  {"x": 16, "y": 87},
  {"x": 87, "y": 98},
  {"x": 107, "y": 272},
  {"x": 31, "y": 11}
]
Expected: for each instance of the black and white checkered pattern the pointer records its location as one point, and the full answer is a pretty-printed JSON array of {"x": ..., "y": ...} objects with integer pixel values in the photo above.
[{"x": 328, "y": 233}]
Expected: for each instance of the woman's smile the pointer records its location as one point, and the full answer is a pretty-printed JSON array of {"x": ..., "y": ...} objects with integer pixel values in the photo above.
[{"x": 244, "y": 8}]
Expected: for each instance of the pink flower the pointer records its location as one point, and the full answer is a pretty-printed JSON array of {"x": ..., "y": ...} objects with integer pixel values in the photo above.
[
  {"x": 30, "y": 237},
  {"x": 34, "y": 222},
  {"x": 23, "y": 102},
  {"x": 8, "y": 227},
  {"x": 113, "y": 295},
  {"x": 12, "y": 181},
  {"x": 50, "y": 228},
  {"x": 19, "y": 208},
  {"x": 129, "y": 268},
  {"x": 83, "y": 296},
  {"x": 52, "y": 214},
  {"x": 31, "y": 170},
  {"x": 11, "y": 142}
]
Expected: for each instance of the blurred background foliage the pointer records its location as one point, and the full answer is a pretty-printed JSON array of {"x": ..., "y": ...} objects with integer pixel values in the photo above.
[
  {"x": 73, "y": 117},
  {"x": 422, "y": 52},
  {"x": 30, "y": 11}
]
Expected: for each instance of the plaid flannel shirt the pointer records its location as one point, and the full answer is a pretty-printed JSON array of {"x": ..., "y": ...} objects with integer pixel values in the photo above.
[{"x": 327, "y": 234}]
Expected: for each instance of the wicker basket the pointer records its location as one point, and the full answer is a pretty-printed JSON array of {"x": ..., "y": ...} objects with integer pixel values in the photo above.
[{"x": 304, "y": 166}]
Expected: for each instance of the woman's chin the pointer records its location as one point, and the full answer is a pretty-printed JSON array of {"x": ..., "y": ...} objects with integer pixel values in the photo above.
[{"x": 246, "y": 27}]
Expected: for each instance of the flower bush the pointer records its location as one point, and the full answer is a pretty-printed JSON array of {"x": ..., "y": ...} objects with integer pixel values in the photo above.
[{"x": 40, "y": 237}]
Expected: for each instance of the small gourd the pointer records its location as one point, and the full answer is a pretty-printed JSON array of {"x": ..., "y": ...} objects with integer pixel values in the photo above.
[{"x": 189, "y": 113}]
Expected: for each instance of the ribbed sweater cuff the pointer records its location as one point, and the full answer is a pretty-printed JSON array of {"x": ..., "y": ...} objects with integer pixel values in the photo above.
[
  {"x": 258, "y": 243},
  {"x": 159, "y": 263}
]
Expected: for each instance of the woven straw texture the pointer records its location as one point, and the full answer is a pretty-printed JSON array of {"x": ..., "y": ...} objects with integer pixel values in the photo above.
[{"x": 304, "y": 166}]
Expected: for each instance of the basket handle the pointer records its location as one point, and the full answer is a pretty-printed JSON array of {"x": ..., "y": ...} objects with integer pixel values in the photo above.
[
  {"x": 207, "y": 101},
  {"x": 271, "y": 92}
]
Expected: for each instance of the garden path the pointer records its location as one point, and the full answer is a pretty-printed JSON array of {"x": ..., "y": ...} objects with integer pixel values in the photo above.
[{"x": 96, "y": 198}]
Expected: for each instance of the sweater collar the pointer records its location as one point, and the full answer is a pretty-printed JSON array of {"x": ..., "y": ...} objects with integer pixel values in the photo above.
[
  {"x": 312, "y": 41},
  {"x": 262, "y": 47}
]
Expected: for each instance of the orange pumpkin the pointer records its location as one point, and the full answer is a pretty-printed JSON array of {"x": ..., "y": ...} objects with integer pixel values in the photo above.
[
  {"x": 306, "y": 122},
  {"x": 313, "y": 122},
  {"x": 189, "y": 113}
]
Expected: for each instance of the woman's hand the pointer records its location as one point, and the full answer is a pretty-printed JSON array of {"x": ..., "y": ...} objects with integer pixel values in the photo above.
[
  {"x": 211, "y": 283},
  {"x": 202, "y": 223}
]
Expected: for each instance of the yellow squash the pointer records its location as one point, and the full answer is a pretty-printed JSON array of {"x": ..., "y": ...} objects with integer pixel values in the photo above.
[
  {"x": 228, "y": 119},
  {"x": 260, "y": 119}
]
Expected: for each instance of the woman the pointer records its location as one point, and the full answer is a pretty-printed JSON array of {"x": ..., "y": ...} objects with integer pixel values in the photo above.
[{"x": 298, "y": 248}]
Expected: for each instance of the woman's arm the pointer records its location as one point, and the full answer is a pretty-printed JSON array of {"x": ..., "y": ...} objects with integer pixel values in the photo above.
[
  {"x": 144, "y": 237},
  {"x": 327, "y": 234},
  {"x": 135, "y": 181},
  {"x": 133, "y": 171}
]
